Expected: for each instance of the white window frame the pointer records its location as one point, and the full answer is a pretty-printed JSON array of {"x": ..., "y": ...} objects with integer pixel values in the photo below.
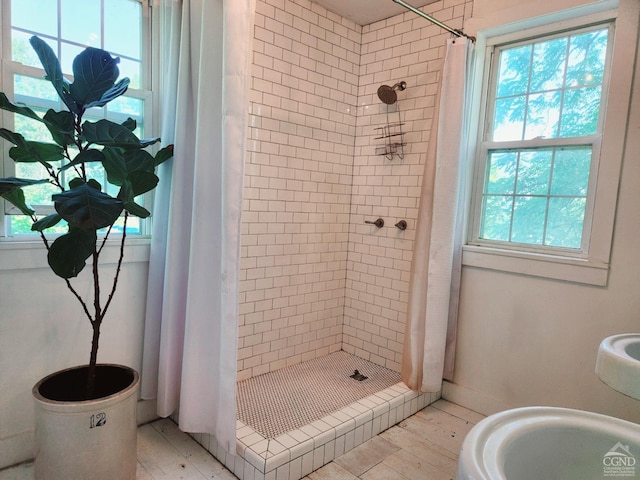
[
  {"x": 590, "y": 264},
  {"x": 8, "y": 69}
]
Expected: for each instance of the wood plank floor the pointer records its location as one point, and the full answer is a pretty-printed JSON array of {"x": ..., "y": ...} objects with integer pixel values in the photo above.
[{"x": 424, "y": 446}]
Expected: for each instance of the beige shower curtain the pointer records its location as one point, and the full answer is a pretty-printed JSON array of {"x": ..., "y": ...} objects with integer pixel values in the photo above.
[{"x": 435, "y": 271}]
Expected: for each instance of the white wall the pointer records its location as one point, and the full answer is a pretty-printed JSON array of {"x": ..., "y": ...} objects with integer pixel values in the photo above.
[
  {"x": 43, "y": 330},
  {"x": 529, "y": 341}
]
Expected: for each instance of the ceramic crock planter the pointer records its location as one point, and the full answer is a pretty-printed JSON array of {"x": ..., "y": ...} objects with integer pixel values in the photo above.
[{"x": 86, "y": 439}]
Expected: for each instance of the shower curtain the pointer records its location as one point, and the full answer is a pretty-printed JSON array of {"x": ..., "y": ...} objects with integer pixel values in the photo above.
[
  {"x": 435, "y": 271},
  {"x": 190, "y": 344}
]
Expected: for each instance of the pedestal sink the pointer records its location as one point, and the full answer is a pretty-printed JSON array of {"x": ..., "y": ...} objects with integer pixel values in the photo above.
[
  {"x": 550, "y": 443},
  {"x": 618, "y": 363}
]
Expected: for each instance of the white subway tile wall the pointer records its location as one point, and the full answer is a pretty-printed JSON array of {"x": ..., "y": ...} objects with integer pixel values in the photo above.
[
  {"x": 402, "y": 48},
  {"x": 314, "y": 278}
]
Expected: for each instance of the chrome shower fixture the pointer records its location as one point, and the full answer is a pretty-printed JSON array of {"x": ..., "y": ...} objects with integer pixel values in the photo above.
[{"x": 388, "y": 95}]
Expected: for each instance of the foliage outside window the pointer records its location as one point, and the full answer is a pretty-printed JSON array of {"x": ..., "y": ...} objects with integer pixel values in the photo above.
[{"x": 68, "y": 26}]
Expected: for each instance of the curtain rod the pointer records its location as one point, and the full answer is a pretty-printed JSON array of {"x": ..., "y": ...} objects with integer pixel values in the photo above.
[{"x": 457, "y": 33}]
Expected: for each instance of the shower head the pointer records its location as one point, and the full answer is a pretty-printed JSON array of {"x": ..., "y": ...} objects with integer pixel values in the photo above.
[{"x": 388, "y": 95}]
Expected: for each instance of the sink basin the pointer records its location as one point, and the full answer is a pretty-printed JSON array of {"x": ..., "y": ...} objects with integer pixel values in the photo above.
[
  {"x": 550, "y": 443},
  {"x": 618, "y": 363}
]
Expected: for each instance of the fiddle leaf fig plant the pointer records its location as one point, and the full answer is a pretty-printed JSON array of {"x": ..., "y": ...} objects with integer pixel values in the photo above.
[{"x": 77, "y": 147}]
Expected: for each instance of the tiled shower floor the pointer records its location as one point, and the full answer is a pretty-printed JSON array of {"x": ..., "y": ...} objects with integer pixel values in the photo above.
[
  {"x": 301, "y": 394},
  {"x": 295, "y": 453}
]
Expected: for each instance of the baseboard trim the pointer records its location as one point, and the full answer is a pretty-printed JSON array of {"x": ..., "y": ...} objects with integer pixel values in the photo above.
[{"x": 472, "y": 399}]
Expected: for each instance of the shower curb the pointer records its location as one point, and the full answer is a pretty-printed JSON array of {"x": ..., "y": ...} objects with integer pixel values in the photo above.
[{"x": 295, "y": 454}]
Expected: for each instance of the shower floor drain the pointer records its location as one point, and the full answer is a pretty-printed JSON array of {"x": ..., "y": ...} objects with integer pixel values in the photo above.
[{"x": 286, "y": 399}]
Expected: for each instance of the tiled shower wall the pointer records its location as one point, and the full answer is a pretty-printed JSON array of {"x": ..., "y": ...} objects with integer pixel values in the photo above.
[
  {"x": 402, "y": 48},
  {"x": 314, "y": 278},
  {"x": 297, "y": 185}
]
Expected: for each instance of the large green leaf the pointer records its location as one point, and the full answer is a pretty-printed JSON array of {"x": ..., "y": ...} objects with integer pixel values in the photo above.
[
  {"x": 136, "y": 184},
  {"x": 87, "y": 208},
  {"x": 94, "y": 73},
  {"x": 53, "y": 70},
  {"x": 134, "y": 209},
  {"x": 109, "y": 134},
  {"x": 60, "y": 125},
  {"x": 85, "y": 156},
  {"x": 13, "y": 137},
  {"x": 16, "y": 197},
  {"x": 68, "y": 253},
  {"x": 111, "y": 94},
  {"x": 46, "y": 222},
  {"x": 11, "y": 190},
  {"x": 26, "y": 151},
  {"x": 142, "y": 182},
  {"x": 130, "y": 123},
  {"x": 146, "y": 142},
  {"x": 10, "y": 183},
  {"x": 37, "y": 152},
  {"x": 114, "y": 165},
  {"x": 120, "y": 164},
  {"x": 164, "y": 154},
  {"x": 139, "y": 160},
  {"x": 5, "y": 104}
]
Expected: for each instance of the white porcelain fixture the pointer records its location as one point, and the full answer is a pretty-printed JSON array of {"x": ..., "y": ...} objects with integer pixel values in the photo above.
[
  {"x": 550, "y": 443},
  {"x": 618, "y": 363}
]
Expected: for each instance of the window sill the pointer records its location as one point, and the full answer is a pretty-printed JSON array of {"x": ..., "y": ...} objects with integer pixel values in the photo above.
[
  {"x": 27, "y": 254},
  {"x": 568, "y": 269}
]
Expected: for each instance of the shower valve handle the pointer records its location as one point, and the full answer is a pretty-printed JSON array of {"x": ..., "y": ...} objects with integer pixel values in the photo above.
[{"x": 378, "y": 223}]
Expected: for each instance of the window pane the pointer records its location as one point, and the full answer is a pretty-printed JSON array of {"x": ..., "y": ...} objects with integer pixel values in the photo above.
[
  {"x": 534, "y": 171},
  {"x": 80, "y": 22},
  {"x": 21, "y": 50},
  {"x": 543, "y": 115},
  {"x": 67, "y": 53},
  {"x": 37, "y": 90},
  {"x": 502, "y": 172},
  {"x": 565, "y": 76},
  {"x": 571, "y": 172},
  {"x": 536, "y": 196},
  {"x": 496, "y": 218},
  {"x": 566, "y": 218},
  {"x": 587, "y": 58},
  {"x": 528, "y": 220},
  {"x": 21, "y": 225},
  {"x": 123, "y": 16},
  {"x": 132, "y": 70},
  {"x": 508, "y": 123},
  {"x": 513, "y": 78},
  {"x": 548, "y": 65},
  {"x": 35, "y": 16},
  {"x": 580, "y": 112}
]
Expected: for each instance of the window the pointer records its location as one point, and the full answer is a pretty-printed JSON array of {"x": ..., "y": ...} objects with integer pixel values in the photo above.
[
  {"x": 553, "y": 116},
  {"x": 544, "y": 123},
  {"x": 68, "y": 26}
]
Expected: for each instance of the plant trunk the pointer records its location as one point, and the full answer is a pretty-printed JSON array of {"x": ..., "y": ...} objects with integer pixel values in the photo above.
[
  {"x": 91, "y": 375},
  {"x": 95, "y": 325}
]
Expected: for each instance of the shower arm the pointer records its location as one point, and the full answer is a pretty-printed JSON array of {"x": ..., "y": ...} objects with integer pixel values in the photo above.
[{"x": 457, "y": 33}]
